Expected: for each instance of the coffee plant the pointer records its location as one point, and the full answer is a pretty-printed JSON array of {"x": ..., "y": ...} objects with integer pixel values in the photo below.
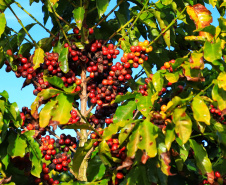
[{"x": 143, "y": 87}]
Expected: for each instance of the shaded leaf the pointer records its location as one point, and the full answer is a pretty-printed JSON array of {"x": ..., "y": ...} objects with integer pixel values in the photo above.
[
  {"x": 105, "y": 153},
  {"x": 17, "y": 145},
  {"x": 201, "y": 157},
  {"x": 102, "y": 6}
]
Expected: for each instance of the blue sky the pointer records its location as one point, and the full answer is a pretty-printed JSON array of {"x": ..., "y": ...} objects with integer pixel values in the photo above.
[{"x": 8, "y": 81}]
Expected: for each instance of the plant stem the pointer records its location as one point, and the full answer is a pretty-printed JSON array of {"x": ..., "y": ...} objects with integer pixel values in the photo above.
[
  {"x": 137, "y": 17},
  {"x": 54, "y": 13},
  {"x": 168, "y": 27},
  {"x": 120, "y": 2},
  {"x": 20, "y": 22},
  {"x": 17, "y": 33},
  {"x": 122, "y": 27},
  {"x": 18, "y": 4},
  {"x": 204, "y": 90}
]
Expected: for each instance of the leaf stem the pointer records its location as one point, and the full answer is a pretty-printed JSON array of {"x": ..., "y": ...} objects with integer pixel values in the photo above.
[
  {"x": 137, "y": 17},
  {"x": 168, "y": 27},
  {"x": 20, "y": 22},
  {"x": 204, "y": 90},
  {"x": 54, "y": 13},
  {"x": 122, "y": 27},
  {"x": 120, "y": 2},
  {"x": 17, "y": 34},
  {"x": 22, "y": 8}
]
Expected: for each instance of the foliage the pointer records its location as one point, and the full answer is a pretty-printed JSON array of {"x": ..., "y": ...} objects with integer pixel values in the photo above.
[{"x": 151, "y": 127}]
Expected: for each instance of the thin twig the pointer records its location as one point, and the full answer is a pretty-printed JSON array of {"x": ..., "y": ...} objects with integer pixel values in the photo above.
[
  {"x": 89, "y": 110},
  {"x": 167, "y": 28},
  {"x": 72, "y": 3},
  {"x": 54, "y": 13},
  {"x": 20, "y": 22},
  {"x": 131, "y": 20},
  {"x": 22, "y": 8},
  {"x": 120, "y": 2},
  {"x": 135, "y": 114}
]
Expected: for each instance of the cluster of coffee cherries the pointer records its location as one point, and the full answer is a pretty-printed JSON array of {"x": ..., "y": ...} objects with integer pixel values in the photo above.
[
  {"x": 24, "y": 66},
  {"x": 167, "y": 65},
  {"x": 29, "y": 123},
  {"x": 103, "y": 114},
  {"x": 47, "y": 148},
  {"x": 74, "y": 117},
  {"x": 218, "y": 179},
  {"x": 45, "y": 176},
  {"x": 217, "y": 114},
  {"x": 60, "y": 162},
  {"x": 138, "y": 54},
  {"x": 65, "y": 142}
]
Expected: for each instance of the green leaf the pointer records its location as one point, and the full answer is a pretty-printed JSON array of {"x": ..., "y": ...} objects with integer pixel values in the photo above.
[
  {"x": 5, "y": 3},
  {"x": 200, "y": 110},
  {"x": 63, "y": 60},
  {"x": 25, "y": 49},
  {"x": 170, "y": 135},
  {"x": 201, "y": 157},
  {"x": 79, "y": 156},
  {"x": 183, "y": 124},
  {"x": 134, "y": 139},
  {"x": 96, "y": 169},
  {"x": 157, "y": 81},
  {"x": 127, "y": 96},
  {"x": 221, "y": 80},
  {"x": 219, "y": 95},
  {"x": 163, "y": 24},
  {"x": 127, "y": 129},
  {"x": 113, "y": 128},
  {"x": 2, "y": 22},
  {"x": 62, "y": 110},
  {"x": 102, "y": 6},
  {"x": 212, "y": 51},
  {"x": 147, "y": 67},
  {"x": 144, "y": 104},
  {"x": 21, "y": 34},
  {"x": 46, "y": 43},
  {"x": 148, "y": 134},
  {"x": 125, "y": 111},
  {"x": 38, "y": 58},
  {"x": 137, "y": 175},
  {"x": 125, "y": 45},
  {"x": 58, "y": 82},
  {"x": 172, "y": 77},
  {"x": 43, "y": 95},
  {"x": 178, "y": 62},
  {"x": 16, "y": 146},
  {"x": 46, "y": 112},
  {"x": 35, "y": 153},
  {"x": 79, "y": 16},
  {"x": 213, "y": 3},
  {"x": 105, "y": 153}
]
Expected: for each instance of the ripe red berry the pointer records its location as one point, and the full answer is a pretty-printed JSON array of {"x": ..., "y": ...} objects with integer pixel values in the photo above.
[
  {"x": 91, "y": 31},
  {"x": 9, "y": 52},
  {"x": 217, "y": 174},
  {"x": 59, "y": 167},
  {"x": 76, "y": 30},
  {"x": 119, "y": 175}
]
